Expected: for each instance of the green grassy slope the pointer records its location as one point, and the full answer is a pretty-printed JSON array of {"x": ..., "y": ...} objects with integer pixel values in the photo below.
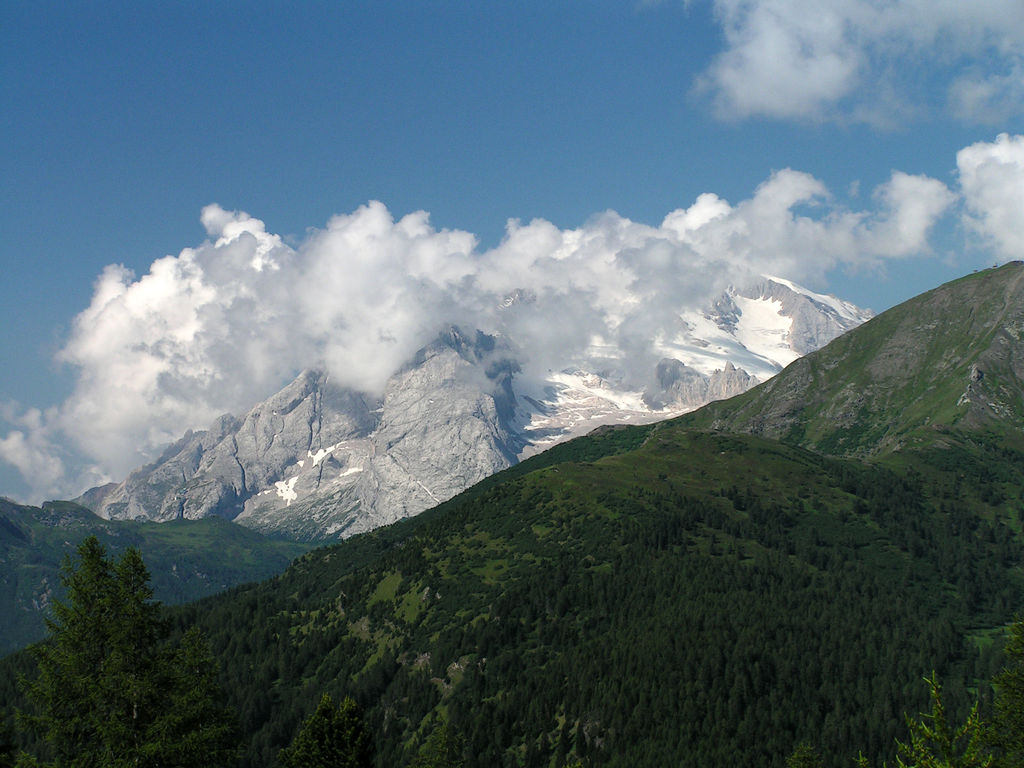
[{"x": 932, "y": 372}]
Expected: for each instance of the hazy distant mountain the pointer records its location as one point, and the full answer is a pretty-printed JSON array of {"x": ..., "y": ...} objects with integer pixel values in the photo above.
[{"x": 317, "y": 460}]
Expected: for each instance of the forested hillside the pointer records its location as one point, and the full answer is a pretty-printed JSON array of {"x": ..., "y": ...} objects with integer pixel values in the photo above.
[{"x": 703, "y": 600}]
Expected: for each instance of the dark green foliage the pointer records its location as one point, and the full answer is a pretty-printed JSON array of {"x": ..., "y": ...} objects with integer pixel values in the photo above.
[
  {"x": 656, "y": 596},
  {"x": 1009, "y": 703},
  {"x": 83, "y": 664},
  {"x": 193, "y": 727},
  {"x": 936, "y": 743},
  {"x": 8, "y": 747},
  {"x": 188, "y": 559},
  {"x": 332, "y": 737},
  {"x": 804, "y": 756},
  {"x": 108, "y": 691},
  {"x": 442, "y": 750},
  {"x": 705, "y": 600}
]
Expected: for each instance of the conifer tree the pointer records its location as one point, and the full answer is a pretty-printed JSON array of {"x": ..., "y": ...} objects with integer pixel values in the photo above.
[
  {"x": 935, "y": 743},
  {"x": 109, "y": 691},
  {"x": 1009, "y": 704},
  {"x": 332, "y": 737},
  {"x": 73, "y": 666},
  {"x": 193, "y": 728},
  {"x": 442, "y": 750},
  {"x": 804, "y": 756}
]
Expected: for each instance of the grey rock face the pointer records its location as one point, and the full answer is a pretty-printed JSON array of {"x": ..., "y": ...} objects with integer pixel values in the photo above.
[
  {"x": 215, "y": 472},
  {"x": 728, "y": 382},
  {"x": 318, "y": 460},
  {"x": 678, "y": 387},
  {"x": 439, "y": 429}
]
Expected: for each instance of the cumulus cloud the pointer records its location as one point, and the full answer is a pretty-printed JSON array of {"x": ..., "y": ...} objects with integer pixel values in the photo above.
[
  {"x": 223, "y": 324},
  {"x": 861, "y": 60},
  {"x": 992, "y": 179},
  {"x": 30, "y": 449}
]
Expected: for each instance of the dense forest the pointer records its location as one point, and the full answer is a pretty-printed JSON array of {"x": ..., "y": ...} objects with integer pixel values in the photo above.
[
  {"x": 645, "y": 597},
  {"x": 189, "y": 559}
]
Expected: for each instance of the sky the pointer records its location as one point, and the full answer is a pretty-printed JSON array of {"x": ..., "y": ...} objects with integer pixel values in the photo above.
[{"x": 200, "y": 199}]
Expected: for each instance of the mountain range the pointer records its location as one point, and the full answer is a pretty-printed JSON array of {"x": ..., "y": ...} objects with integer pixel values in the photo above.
[
  {"x": 714, "y": 589},
  {"x": 317, "y": 461}
]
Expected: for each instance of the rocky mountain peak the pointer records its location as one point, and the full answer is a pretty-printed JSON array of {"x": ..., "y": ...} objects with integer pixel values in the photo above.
[
  {"x": 949, "y": 362},
  {"x": 319, "y": 460}
]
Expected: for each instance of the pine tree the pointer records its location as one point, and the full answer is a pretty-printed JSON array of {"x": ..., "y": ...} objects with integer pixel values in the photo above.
[
  {"x": 804, "y": 756},
  {"x": 442, "y": 750},
  {"x": 69, "y": 691},
  {"x": 332, "y": 737},
  {"x": 193, "y": 729},
  {"x": 1009, "y": 704},
  {"x": 109, "y": 691},
  {"x": 128, "y": 685},
  {"x": 934, "y": 743}
]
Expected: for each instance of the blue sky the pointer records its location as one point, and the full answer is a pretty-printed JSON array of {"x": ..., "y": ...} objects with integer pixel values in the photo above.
[{"x": 123, "y": 121}]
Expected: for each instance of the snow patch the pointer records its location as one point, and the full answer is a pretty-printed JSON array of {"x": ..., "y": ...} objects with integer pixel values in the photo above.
[
  {"x": 286, "y": 490},
  {"x": 706, "y": 348},
  {"x": 764, "y": 330},
  {"x": 844, "y": 309},
  {"x": 323, "y": 453}
]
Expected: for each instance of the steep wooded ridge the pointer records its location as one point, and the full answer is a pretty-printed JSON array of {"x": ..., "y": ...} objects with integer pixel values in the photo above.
[{"x": 682, "y": 594}]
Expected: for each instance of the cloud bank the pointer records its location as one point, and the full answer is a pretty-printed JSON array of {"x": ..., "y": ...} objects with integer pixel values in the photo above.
[
  {"x": 225, "y": 323},
  {"x": 866, "y": 61}
]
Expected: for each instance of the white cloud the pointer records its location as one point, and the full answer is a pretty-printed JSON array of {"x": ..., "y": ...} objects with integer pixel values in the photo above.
[
  {"x": 768, "y": 231},
  {"x": 370, "y": 289},
  {"x": 991, "y": 99},
  {"x": 912, "y": 204},
  {"x": 220, "y": 326},
  {"x": 31, "y": 450},
  {"x": 992, "y": 179},
  {"x": 866, "y": 61}
]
